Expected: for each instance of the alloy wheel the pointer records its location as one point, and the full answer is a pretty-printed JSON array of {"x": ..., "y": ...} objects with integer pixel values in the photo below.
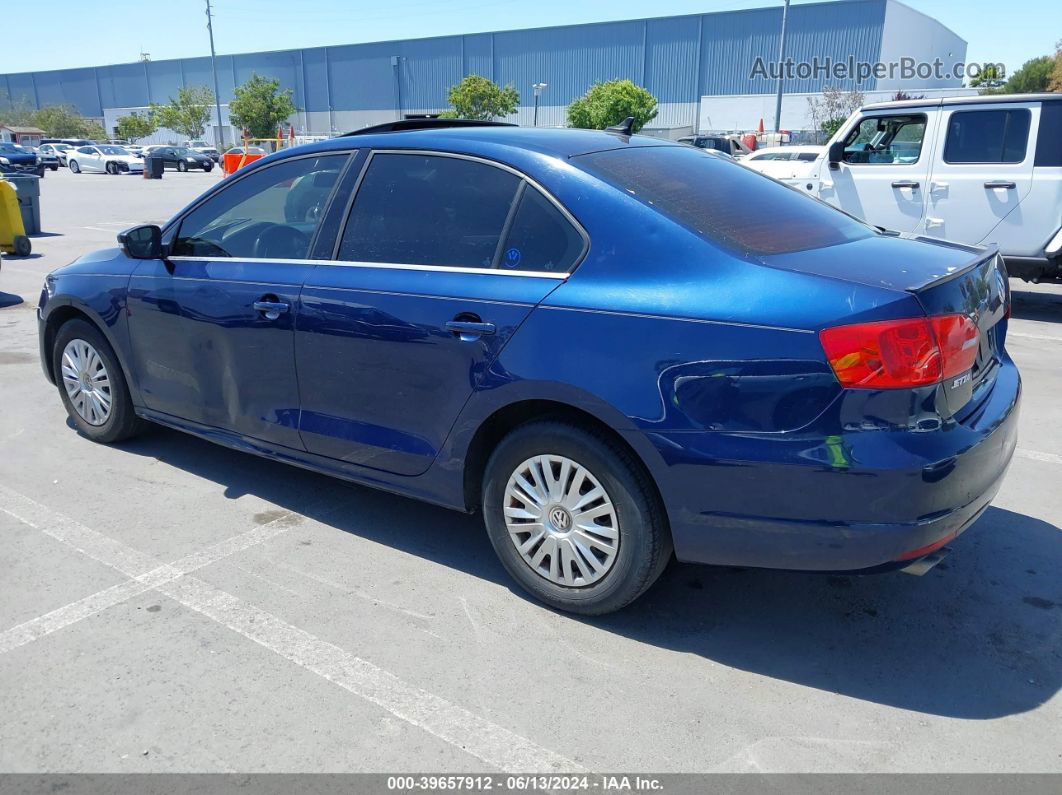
[
  {"x": 86, "y": 382},
  {"x": 561, "y": 520}
]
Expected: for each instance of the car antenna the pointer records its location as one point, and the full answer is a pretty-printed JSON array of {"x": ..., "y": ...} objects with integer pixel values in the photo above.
[{"x": 625, "y": 127}]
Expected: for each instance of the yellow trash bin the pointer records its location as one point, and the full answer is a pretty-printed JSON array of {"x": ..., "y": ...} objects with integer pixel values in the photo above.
[{"x": 13, "y": 238}]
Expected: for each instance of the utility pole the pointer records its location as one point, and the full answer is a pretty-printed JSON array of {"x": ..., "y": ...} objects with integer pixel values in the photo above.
[
  {"x": 214, "y": 69},
  {"x": 781, "y": 73}
]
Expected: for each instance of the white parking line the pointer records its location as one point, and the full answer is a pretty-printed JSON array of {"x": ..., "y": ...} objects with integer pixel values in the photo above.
[
  {"x": 1036, "y": 455},
  {"x": 475, "y": 735},
  {"x": 1023, "y": 335}
]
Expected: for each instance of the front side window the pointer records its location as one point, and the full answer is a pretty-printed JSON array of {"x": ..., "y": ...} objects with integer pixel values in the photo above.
[
  {"x": 271, "y": 213},
  {"x": 698, "y": 190},
  {"x": 886, "y": 140},
  {"x": 418, "y": 209},
  {"x": 987, "y": 136},
  {"x": 87, "y": 150}
]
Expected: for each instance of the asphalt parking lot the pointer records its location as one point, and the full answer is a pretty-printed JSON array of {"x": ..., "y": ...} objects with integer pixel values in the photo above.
[{"x": 169, "y": 605}]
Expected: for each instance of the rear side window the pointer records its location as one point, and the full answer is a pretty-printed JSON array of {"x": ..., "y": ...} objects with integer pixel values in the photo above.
[
  {"x": 417, "y": 209},
  {"x": 723, "y": 202},
  {"x": 540, "y": 237},
  {"x": 987, "y": 136}
]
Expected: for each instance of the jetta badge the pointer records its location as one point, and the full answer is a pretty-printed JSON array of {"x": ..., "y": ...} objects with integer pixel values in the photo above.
[{"x": 962, "y": 379}]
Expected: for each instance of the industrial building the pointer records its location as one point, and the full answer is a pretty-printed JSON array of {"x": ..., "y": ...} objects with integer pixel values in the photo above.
[{"x": 688, "y": 62}]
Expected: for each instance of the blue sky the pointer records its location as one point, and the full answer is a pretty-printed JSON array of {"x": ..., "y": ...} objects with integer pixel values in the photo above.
[{"x": 1010, "y": 32}]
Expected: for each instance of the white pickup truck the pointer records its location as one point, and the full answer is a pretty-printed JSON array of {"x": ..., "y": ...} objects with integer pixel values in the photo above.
[{"x": 984, "y": 170}]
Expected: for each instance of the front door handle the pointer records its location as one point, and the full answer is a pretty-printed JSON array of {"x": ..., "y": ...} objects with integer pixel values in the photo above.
[
  {"x": 1001, "y": 183},
  {"x": 470, "y": 329},
  {"x": 905, "y": 183},
  {"x": 271, "y": 309}
]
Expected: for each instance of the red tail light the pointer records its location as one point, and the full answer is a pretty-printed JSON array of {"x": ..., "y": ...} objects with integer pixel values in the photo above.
[{"x": 899, "y": 354}]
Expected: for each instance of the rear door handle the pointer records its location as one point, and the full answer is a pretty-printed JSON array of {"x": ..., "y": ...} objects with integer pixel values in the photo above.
[
  {"x": 271, "y": 309},
  {"x": 470, "y": 327},
  {"x": 1001, "y": 183},
  {"x": 905, "y": 183}
]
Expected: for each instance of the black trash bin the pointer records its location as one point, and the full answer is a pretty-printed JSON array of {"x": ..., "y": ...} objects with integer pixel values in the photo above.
[{"x": 153, "y": 167}]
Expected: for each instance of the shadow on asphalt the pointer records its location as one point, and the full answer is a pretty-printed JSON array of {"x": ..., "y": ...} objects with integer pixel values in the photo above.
[
  {"x": 9, "y": 299},
  {"x": 978, "y": 637},
  {"x": 1028, "y": 305}
]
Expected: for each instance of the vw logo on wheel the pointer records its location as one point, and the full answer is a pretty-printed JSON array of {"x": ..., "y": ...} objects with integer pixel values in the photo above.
[{"x": 560, "y": 518}]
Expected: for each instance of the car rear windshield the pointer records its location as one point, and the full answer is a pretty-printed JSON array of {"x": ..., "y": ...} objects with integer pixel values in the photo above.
[{"x": 723, "y": 201}]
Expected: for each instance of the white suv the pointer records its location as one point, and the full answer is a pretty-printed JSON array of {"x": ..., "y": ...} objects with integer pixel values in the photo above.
[{"x": 977, "y": 170}]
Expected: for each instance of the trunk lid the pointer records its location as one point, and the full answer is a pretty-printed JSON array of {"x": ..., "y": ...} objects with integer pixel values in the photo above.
[
  {"x": 980, "y": 291},
  {"x": 946, "y": 278}
]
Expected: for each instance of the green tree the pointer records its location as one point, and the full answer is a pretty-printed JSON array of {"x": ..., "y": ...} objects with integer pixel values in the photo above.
[
  {"x": 259, "y": 106},
  {"x": 1033, "y": 76},
  {"x": 606, "y": 104},
  {"x": 187, "y": 113},
  {"x": 136, "y": 126},
  {"x": 989, "y": 74},
  {"x": 478, "y": 98},
  {"x": 1055, "y": 83},
  {"x": 63, "y": 121}
]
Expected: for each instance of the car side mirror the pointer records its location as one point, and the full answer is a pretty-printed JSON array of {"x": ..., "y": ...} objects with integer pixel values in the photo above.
[
  {"x": 836, "y": 154},
  {"x": 142, "y": 242}
]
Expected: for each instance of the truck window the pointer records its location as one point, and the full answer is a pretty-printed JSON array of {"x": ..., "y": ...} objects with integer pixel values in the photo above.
[
  {"x": 886, "y": 140},
  {"x": 987, "y": 136}
]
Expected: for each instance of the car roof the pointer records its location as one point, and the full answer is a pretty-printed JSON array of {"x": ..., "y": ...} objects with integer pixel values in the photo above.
[
  {"x": 556, "y": 142},
  {"x": 987, "y": 99}
]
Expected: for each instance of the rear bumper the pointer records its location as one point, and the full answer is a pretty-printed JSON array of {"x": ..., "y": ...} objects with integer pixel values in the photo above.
[{"x": 847, "y": 501}]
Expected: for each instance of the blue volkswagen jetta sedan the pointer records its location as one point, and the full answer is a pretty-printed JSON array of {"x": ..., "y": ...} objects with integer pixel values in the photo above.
[{"x": 618, "y": 348}]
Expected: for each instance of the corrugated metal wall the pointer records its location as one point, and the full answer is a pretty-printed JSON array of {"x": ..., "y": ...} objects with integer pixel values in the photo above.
[{"x": 678, "y": 59}]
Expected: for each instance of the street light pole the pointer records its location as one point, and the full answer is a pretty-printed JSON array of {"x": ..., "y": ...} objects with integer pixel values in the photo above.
[
  {"x": 781, "y": 76},
  {"x": 214, "y": 69},
  {"x": 538, "y": 88}
]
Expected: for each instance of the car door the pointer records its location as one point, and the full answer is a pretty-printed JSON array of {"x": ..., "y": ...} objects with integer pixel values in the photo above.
[
  {"x": 211, "y": 326},
  {"x": 982, "y": 172},
  {"x": 441, "y": 259},
  {"x": 885, "y": 170},
  {"x": 85, "y": 157}
]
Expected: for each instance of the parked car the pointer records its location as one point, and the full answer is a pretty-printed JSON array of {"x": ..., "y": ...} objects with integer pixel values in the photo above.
[
  {"x": 135, "y": 149},
  {"x": 727, "y": 144},
  {"x": 19, "y": 158},
  {"x": 47, "y": 158},
  {"x": 181, "y": 159},
  {"x": 203, "y": 148},
  {"x": 957, "y": 168},
  {"x": 585, "y": 335},
  {"x": 785, "y": 162},
  {"x": 104, "y": 158},
  {"x": 56, "y": 150}
]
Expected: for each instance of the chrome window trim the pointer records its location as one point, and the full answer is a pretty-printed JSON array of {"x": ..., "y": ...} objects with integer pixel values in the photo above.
[
  {"x": 475, "y": 159},
  {"x": 382, "y": 265}
]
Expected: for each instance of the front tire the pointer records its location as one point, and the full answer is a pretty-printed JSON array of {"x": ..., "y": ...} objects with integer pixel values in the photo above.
[
  {"x": 112, "y": 168},
  {"x": 91, "y": 384},
  {"x": 75, "y": 167},
  {"x": 574, "y": 518},
  {"x": 53, "y": 168}
]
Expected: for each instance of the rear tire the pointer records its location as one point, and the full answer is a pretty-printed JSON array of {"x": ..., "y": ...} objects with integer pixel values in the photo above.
[
  {"x": 627, "y": 509},
  {"x": 108, "y": 417},
  {"x": 53, "y": 168}
]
